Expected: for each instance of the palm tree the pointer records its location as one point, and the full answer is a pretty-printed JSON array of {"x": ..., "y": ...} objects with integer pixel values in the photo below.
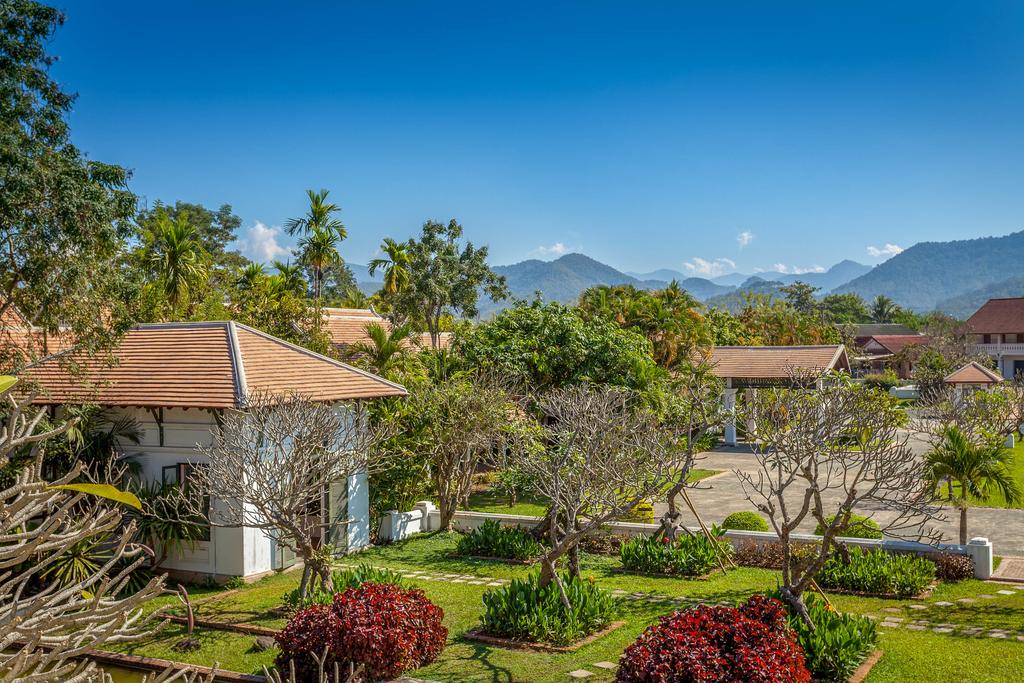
[
  {"x": 355, "y": 298},
  {"x": 291, "y": 277},
  {"x": 319, "y": 249},
  {"x": 396, "y": 266},
  {"x": 383, "y": 348},
  {"x": 978, "y": 468},
  {"x": 176, "y": 255},
  {"x": 319, "y": 216},
  {"x": 250, "y": 276},
  {"x": 883, "y": 309}
]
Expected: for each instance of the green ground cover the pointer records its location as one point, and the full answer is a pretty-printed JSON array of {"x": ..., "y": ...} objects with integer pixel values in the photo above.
[
  {"x": 909, "y": 655},
  {"x": 535, "y": 506}
]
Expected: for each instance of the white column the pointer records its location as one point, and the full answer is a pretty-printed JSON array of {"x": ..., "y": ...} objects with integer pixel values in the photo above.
[
  {"x": 751, "y": 398},
  {"x": 729, "y": 403}
]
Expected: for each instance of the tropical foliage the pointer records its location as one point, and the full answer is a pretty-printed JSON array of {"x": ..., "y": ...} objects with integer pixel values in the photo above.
[
  {"x": 877, "y": 572},
  {"x": 688, "y": 555},
  {"x": 491, "y": 539},
  {"x": 837, "y": 643}
]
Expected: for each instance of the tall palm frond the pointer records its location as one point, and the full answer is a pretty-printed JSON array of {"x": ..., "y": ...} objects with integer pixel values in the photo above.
[
  {"x": 395, "y": 266},
  {"x": 319, "y": 217}
]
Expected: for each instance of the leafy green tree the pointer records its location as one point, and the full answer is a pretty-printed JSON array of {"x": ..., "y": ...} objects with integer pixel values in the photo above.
[
  {"x": 668, "y": 318},
  {"x": 55, "y": 203},
  {"x": 726, "y": 329},
  {"x": 801, "y": 296},
  {"x": 320, "y": 216},
  {"x": 770, "y": 322},
  {"x": 445, "y": 278},
  {"x": 319, "y": 250},
  {"x": 215, "y": 230},
  {"x": 539, "y": 347},
  {"x": 845, "y": 309},
  {"x": 291, "y": 277},
  {"x": 976, "y": 468},
  {"x": 395, "y": 266}
]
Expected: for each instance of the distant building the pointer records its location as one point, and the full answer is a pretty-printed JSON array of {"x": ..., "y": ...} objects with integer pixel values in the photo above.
[
  {"x": 972, "y": 377},
  {"x": 880, "y": 348},
  {"x": 347, "y": 326},
  {"x": 997, "y": 330}
]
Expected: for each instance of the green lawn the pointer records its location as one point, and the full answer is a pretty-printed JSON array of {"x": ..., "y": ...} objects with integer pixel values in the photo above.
[
  {"x": 491, "y": 501},
  {"x": 909, "y": 655},
  {"x": 996, "y": 499}
]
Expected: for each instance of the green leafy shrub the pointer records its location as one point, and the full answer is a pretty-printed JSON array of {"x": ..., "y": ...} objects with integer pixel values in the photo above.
[
  {"x": 883, "y": 381},
  {"x": 839, "y": 642},
  {"x": 687, "y": 556},
  {"x": 769, "y": 555},
  {"x": 859, "y": 527},
  {"x": 745, "y": 521},
  {"x": 490, "y": 539},
  {"x": 523, "y": 610},
  {"x": 343, "y": 580},
  {"x": 877, "y": 572}
]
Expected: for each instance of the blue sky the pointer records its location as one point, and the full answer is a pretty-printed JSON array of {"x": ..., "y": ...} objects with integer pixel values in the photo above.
[{"x": 645, "y": 134}]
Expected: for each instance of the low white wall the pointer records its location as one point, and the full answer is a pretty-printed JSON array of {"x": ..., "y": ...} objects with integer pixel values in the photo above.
[{"x": 396, "y": 526}]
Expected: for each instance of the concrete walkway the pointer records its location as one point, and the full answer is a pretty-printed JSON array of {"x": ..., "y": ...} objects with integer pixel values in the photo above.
[{"x": 721, "y": 495}]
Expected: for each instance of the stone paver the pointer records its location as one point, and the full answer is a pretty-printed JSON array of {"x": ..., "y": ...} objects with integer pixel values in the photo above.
[
  {"x": 606, "y": 665},
  {"x": 943, "y": 603},
  {"x": 580, "y": 673}
]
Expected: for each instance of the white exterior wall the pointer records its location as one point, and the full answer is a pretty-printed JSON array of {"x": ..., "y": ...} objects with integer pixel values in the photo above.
[{"x": 358, "y": 511}]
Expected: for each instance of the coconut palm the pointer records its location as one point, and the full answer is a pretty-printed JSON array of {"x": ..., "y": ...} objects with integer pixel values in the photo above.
[
  {"x": 383, "y": 348},
  {"x": 319, "y": 217},
  {"x": 979, "y": 468},
  {"x": 883, "y": 309},
  {"x": 318, "y": 250},
  {"x": 176, "y": 256},
  {"x": 395, "y": 266}
]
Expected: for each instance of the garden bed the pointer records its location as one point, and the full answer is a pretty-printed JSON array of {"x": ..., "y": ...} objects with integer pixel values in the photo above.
[{"x": 477, "y": 635}]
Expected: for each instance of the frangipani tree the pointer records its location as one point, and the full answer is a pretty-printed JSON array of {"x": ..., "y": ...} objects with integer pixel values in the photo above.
[
  {"x": 44, "y": 632},
  {"x": 828, "y": 448},
  {"x": 596, "y": 453}
]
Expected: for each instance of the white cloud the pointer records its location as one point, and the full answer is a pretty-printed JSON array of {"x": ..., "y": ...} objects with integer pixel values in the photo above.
[
  {"x": 794, "y": 270},
  {"x": 887, "y": 250},
  {"x": 260, "y": 243},
  {"x": 745, "y": 238},
  {"x": 706, "y": 268},
  {"x": 556, "y": 249}
]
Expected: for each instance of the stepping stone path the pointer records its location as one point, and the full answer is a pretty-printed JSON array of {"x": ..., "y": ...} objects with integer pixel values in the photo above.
[
  {"x": 610, "y": 666},
  {"x": 580, "y": 673}
]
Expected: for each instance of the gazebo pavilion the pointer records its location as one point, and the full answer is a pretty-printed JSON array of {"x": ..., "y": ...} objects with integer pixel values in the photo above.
[{"x": 748, "y": 368}]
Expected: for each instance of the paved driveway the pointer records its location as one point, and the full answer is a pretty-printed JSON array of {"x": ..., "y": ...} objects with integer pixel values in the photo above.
[{"x": 718, "y": 496}]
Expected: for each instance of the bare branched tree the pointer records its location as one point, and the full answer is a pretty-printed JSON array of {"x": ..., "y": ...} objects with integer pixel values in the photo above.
[
  {"x": 980, "y": 415},
  {"x": 464, "y": 421},
  {"x": 597, "y": 455},
  {"x": 825, "y": 454},
  {"x": 46, "y": 627},
  {"x": 271, "y": 466},
  {"x": 694, "y": 411}
]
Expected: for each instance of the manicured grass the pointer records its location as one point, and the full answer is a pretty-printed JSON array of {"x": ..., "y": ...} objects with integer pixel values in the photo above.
[
  {"x": 996, "y": 499},
  {"x": 909, "y": 656},
  {"x": 535, "y": 506}
]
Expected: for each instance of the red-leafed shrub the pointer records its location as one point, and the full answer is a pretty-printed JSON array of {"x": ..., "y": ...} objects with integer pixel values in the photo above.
[
  {"x": 386, "y": 629},
  {"x": 750, "y": 643}
]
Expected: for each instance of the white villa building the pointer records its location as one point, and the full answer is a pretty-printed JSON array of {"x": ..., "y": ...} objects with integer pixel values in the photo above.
[
  {"x": 176, "y": 380},
  {"x": 997, "y": 330}
]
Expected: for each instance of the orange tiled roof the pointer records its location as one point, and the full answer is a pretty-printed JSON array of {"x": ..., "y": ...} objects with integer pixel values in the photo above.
[
  {"x": 894, "y": 343},
  {"x": 202, "y": 365},
  {"x": 973, "y": 373},
  {"x": 775, "y": 362},
  {"x": 347, "y": 326},
  {"x": 998, "y": 316}
]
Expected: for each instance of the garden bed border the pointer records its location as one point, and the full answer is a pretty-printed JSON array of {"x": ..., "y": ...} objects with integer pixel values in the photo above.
[{"x": 861, "y": 674}]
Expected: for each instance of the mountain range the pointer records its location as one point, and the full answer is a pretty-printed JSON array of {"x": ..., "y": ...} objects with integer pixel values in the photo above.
[{"x": 955, "y": 277}]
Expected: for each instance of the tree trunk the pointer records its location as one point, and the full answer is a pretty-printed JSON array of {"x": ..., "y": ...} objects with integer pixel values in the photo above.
[
  {"x": 795, "y": 601},
  {"x": 963, "y": 524},
  {"x": 304, "y": 582}
]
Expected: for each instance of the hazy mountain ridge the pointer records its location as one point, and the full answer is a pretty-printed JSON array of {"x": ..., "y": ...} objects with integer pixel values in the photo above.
[{"x": 927, "y": 275}]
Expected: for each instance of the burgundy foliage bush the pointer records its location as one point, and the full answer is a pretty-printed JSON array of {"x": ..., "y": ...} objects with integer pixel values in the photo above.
[
  {"x": 386, "y": 629},
  {"x": 749, "y": 644}
]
